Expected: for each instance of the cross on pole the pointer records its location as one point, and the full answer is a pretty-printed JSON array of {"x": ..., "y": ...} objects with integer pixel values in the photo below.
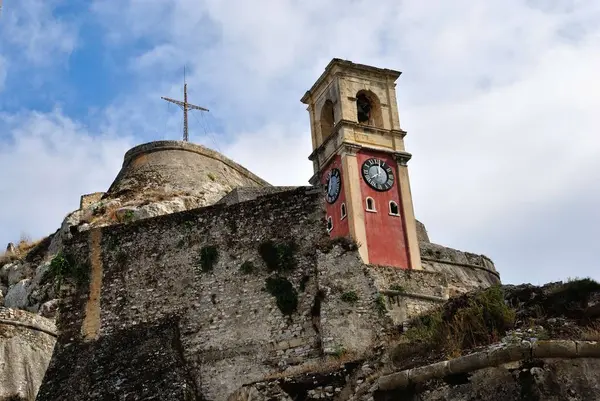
[{"x": 185, "y": 106}]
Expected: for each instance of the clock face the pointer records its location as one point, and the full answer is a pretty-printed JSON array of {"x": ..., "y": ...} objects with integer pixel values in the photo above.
[
  {"x": 378, "y": 174},
  {"x": 334, "y": 183}
]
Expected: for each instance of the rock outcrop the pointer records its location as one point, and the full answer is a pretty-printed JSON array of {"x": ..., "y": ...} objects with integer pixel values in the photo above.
[{"x": 26, "y": 345}]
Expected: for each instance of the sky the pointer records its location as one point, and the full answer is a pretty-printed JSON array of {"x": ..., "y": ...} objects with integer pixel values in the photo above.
[{"x": 500, "y": 100}]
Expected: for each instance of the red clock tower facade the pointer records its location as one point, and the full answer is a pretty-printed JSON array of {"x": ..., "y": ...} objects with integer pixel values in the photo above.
[{"x": 359, "y": 157}]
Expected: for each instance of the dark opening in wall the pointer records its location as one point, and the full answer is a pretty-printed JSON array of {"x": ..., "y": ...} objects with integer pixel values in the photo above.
[{"x": 363, "y": 108}]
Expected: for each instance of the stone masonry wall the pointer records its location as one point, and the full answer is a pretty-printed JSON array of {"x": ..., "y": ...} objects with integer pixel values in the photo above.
[
  {"x": 177, "y": 167},
  {"x": 244, "y": 194},
  {"x": 219, "y": 326},
  {"x": 89, "y": 199}
]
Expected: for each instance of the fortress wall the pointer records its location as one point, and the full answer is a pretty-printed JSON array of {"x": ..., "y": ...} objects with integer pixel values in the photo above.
[
  {"x": 88, "y": 199},
  {"x": 176, "y": 167},
  {"x": 462, "y": 271},
  {"x": 150, "y": 306},
  {"x": 244, "y": 194},
  {"x": 146, "y": 282}
]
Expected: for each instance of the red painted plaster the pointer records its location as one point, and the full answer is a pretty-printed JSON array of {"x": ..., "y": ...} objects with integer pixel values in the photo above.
[
  {"x": 386, "y": 235},
  {"x": 340, "y": 226}
]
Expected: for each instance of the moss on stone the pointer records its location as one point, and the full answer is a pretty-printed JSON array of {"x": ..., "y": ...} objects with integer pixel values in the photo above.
[
  {"x": 397, "y": 287},
  {"x": 247, "y": 267},
  {"x": 279, "y": 256},
  {"x": 209, "y": 256},
  {"x": 284, "y": 293},
  {"x": 350, "y": 297}
]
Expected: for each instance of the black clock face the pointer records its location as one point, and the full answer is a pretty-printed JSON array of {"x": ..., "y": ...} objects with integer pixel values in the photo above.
[
  {"x": 378, "y": 174},
  {"x": 334, "y": 183}
]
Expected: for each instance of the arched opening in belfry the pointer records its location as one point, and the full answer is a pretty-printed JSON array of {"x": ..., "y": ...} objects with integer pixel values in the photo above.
[
  {"x": 368, "y": 109},
  {"x": 327, "y": 119}
]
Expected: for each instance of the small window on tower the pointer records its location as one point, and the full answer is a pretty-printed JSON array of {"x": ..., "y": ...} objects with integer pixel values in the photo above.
[
  {"x": 394, "y": 210},
  {"x": 370, "y": 205},
  {"x": 363, "y": 108},
  {"x": 343, "y": 210},
  {"x": 329, "y": 224}
]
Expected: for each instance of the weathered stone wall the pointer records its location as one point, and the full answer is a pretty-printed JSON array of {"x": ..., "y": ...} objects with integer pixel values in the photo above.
[
  {"x": 422, "y": 232},
  {"x": 463, "y": 271},
  {"x": 446, "y": 272},
  {"x": 231, "y": 328},
  {"x": 215, "y": 326},
  {"x": 26, "y": 344},
  {"x": 243, "y": 194},
  {"x": 176, "y": 167},
  {"x": 89, "y": 199}
]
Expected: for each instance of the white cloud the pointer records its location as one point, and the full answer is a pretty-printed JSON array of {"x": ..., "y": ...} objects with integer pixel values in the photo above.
[
  {"x": 48, "y": 162},
  {"x": 30, "y": 27}
]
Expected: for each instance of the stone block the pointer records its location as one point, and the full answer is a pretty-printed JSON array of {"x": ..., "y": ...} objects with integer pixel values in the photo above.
[
  {"x": 588, "y": 349},
  {"x": 469, "y": 363},
  {"x": 424, "y": 373},
  {"x": 509, "y": 353},
  {"x": 393, "y": 381},
  {"x": 554, "y": 349}
]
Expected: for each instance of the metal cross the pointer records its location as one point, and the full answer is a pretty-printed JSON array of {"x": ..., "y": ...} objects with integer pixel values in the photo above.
[{"x": 185, "y": 106}]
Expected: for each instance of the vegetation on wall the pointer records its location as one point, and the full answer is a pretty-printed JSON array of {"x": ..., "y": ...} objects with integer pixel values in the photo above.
[
  {"x": 284, "y": 293},
  {"x": 350, "y": 297},
  {"x": 380, "y": 306},
  {"x": 397, "y": 287},
  {"x": 279, "y": 256},
  {"x": 65, "y": 267},
  {"x": 247, "y": 267},
  {"x": 464, "y": 322},
  {"x": 209, "y": 256},
  {"x": 346, "y": 243}
]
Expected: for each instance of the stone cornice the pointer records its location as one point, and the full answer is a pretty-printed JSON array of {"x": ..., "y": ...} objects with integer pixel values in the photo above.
[
  {"x": 348, "y": 68},
  {"x": 494, "y": 356},
  {"x": 402, "y": 158},
  {"x": 347, "y": 123}
]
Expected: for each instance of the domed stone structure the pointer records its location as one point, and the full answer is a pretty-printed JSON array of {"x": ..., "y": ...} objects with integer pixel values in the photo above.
[{"x": 179, "y": 168}]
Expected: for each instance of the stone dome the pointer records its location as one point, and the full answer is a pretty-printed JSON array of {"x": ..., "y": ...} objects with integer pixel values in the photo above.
[{"x": 178, "y": 168}]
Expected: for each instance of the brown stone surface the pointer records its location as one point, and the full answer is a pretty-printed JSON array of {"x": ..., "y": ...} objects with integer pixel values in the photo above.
[{"x": 177, "y": 167}]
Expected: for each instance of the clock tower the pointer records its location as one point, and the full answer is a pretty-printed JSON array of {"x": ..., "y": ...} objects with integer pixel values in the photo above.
[{"x": 359, "y": 157}]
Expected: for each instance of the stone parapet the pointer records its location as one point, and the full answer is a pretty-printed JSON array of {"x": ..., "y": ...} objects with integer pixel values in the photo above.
[
  {"x": 179, "y": 168},
  {"x": 89, "y": 199}
]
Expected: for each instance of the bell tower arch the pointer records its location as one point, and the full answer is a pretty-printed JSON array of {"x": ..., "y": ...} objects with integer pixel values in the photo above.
[{"x": 359, "y": 156}]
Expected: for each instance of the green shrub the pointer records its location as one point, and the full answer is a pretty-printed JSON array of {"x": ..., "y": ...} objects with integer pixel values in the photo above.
[
  {"x": 209, "y": 255},
  {"x": 380, "y": 305},
  {"x": 339, "y": 351},
  {"x": 64, "y": 267},
  {"x": 350, "y": 296},
  {"x": 284, "y": 293},
  {"x": 247, "y": 267},
  {"x": 211, "y": 176},
  {"x": 278, "y": 256},
  {"x": 465, "y": 322}
]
